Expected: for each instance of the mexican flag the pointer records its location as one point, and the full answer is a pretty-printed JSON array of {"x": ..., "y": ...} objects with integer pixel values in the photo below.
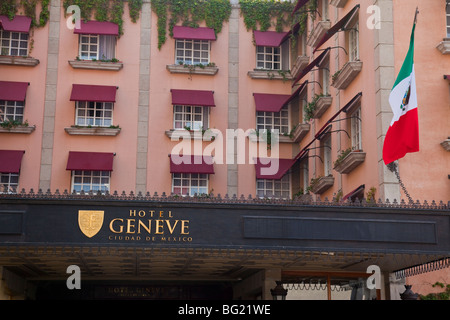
[{"x": 402, "y": 136}]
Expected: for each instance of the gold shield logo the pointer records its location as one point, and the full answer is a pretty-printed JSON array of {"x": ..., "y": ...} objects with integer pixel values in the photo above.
[{"x": 90, "y": 222}]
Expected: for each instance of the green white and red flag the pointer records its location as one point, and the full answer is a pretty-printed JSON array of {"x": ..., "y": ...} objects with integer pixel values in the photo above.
[{"x": 402, "y": 136}]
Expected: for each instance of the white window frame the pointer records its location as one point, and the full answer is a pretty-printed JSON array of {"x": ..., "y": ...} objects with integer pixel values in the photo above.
[
  {"x": 447, "y": 18},
  {"x": 268, "y": 58},
  {"x": 194, "y": 117},
  {"x": 273, "y": 58},
  {"x": 274, "y": 120},
  {"x": 325, "y": 69},
  {"x": 305, "y": 174},
  {"x": 93, "y": 50},
  {"x": 191, "y": 183},
  {"x": 278, "y": 189},
  {"x": 353, "y": 42},
  {"x": 303, "y": 47},
  {"x": 192, "y": 52},
  {"x": 10, "y": 41},
  {"x": 304, "y": 105},
  {"x": 100, "y": 112},
  {"x": 10, "y": 181},
  {"x": 327, "y": 165},
  {"x": 325, "y": 10},
  {"x": 356, "y": 131},
  {"x": 12, "y": 111},
  {"x": 90, "y": 180}
]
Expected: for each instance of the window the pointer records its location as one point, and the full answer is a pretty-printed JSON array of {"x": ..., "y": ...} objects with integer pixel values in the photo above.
[
  {"x": 189, "y": 184},
  {"x": 356, "y": 129},
  {"x": 325, "y": 14},
  {"x": 268, "y": 58},
  {"x": 302, "y": 47},
  {"x": 304, "y": 107},
  {"x": 192, "y": 51},
  {"x": 353, "y": 42},
  {"x": 304, "y": 166},
  {"x": 447, "y": 14},
  {"x": 11, "y": 111},
  {"x": 97, "y": 47},
  {"x": 192, "y": 117},
  {"x": 90, "y": 180},
  {"x": 273, "y": 58},
  {"x": 90, "y": 113},
  {"x": 13, "y": 43},
  {"x": 266, "y": 188},
  {"x": 325, "y": 77},
  {"x": 326, "y": 146},
  {"x": 9, "y": 182},
  {"x": 273, "y": 120}
]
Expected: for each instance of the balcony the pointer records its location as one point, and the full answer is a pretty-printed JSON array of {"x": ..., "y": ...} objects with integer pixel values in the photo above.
[
  {"x": 206, "y": 135},
  {"x": 300, "y": 131},
  {"x": 322, "y": 184},
  {"x": 446, "y": 144},
  {"x": 208, "y": 70},
  {"x": 322, "y": 105},
  {"x": 300, "y": 63},
  {"x": 345, "y": 76},
  {"x": 281, "y": 138},
  {"x": 92, "y": 131},
  {"x": 18, "y": 129},
  {"x": 444, "y": 46},
  {"x": 96, "y": 65},
  {"x": 338, "y": 3},
  {"x": 270, "y": 74},
  {"x": 349, "y": 162},
  {"x": 19, "y": 61},
  {"x": 318, "y": 32}
]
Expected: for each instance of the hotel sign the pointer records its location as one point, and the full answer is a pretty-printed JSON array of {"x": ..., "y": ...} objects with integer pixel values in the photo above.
[
  {"x": 73, "y": 222},
  {"x": 136, "y": 225}
]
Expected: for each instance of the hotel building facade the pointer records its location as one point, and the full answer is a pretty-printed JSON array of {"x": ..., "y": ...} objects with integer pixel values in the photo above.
[{"x": 95, "y": 117}]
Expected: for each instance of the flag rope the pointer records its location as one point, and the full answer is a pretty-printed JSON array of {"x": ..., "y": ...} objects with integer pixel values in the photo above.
[{"x": 394, "y": 168}]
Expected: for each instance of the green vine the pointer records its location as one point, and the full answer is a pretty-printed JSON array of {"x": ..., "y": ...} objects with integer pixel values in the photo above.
[
  {"x": 134, "y": 7},
  {"x": 445, "y": 295},
  {"x": 310, "y": 108},
  {"x": 342, "y": 155},
  {"x": 301, "y": 17},
  {"x": 10, "y": 8},
  {"x": 106, "y": 10},
  {"x": 263, "y": 13},
  {"x": 190, "y": 13},
  {"x": 267, "y": 13}
]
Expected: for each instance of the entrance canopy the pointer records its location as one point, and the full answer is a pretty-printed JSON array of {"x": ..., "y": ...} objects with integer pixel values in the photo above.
[{"x": 149, "y": 237}]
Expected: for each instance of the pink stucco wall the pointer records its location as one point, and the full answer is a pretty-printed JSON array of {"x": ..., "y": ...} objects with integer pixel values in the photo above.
[
  {"x": 125, "y": 109},
  {"x": 33, "y": 112},
  {"x": 433, "y": 92},
  {"x": 426, "y": 173}
]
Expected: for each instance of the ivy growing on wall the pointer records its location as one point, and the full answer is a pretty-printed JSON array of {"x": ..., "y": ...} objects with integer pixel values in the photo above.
[
  {"x": 190, "y": 13},
  {"x": 10, "y": 8},
  {"x": 301, "y": 16},
  {"x": 103, "y": 10},
  {"x": 263, "y": 13},
  {"x": 106, "y": 10}
]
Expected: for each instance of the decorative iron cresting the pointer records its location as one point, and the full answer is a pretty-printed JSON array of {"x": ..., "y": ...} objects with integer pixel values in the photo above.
[
  {"x": 423, "y": 268},
  {"x": 211, "y": 198}
]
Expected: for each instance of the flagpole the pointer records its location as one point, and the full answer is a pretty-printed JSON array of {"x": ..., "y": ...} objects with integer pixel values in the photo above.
[
  {"x": 415, "y": 16},
  {"x": 393, "y": 166}
]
